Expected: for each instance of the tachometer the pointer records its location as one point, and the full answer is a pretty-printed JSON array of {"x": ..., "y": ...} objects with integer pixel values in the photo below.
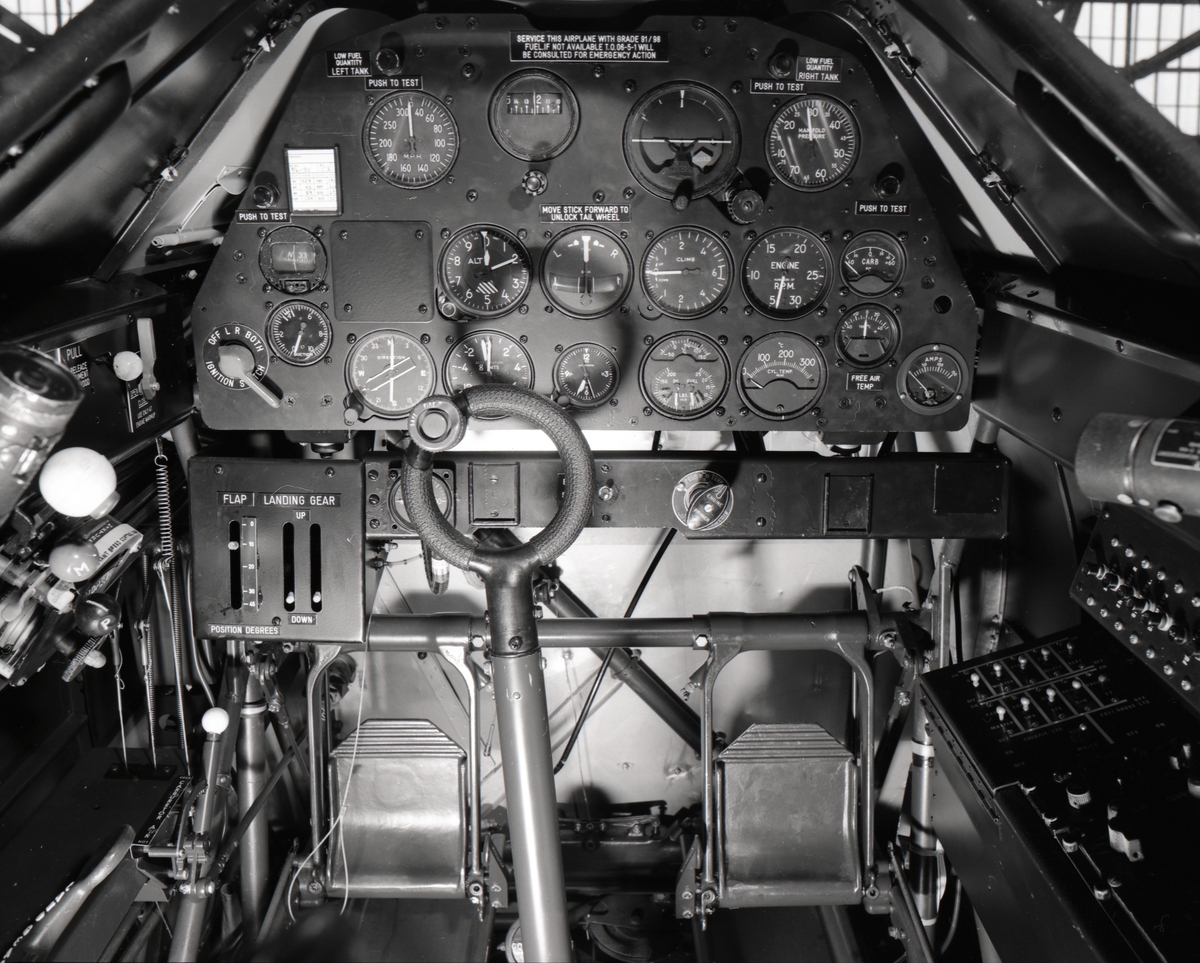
[
  {"x": 685, "y": 375},
  {"x": 786, "y": 273},
  {"x": 410, "y": 139},
  {"x": 389, "y": 372},
  {"x": 484, "y": 271},
  {"x": 682, "y": 139},
  {"x": 686, "y": 272},
  {"x": 812, "y": 143},
  {"x": 781, "y": 375}
]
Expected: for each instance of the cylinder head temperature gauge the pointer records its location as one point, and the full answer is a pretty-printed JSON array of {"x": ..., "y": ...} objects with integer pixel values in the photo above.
[
  {"x": 781, "y": 376},
  {"x": 867, "y": 335},
  {"x": 873, "y": 263},
  {"x": 931, "y": 379},
  {"x": 685, "y": 375},
  {"x": 786, "y": 273},
  {"x": 299, "y": 332}
]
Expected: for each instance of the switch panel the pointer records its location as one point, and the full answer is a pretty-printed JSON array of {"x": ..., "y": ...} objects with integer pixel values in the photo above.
[{"x": 277, "y": 549}]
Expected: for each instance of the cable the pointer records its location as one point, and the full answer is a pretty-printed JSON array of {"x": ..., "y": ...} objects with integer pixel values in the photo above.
[
  {"x": 958, "y": 895},
  {"x": 608, "y": 656},
  {"x": 341, "y": 809}
]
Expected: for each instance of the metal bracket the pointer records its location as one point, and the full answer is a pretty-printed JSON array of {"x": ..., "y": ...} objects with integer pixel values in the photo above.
[{"x": 459, "y": 657}]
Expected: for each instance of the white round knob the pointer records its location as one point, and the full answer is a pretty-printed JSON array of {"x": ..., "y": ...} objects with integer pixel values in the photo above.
[
  {"x": 215, "y": 721},
  {"x": 127, "y": 365},
  {"x": 77, "y": 481},
  {"x": 96, "y": 659}
]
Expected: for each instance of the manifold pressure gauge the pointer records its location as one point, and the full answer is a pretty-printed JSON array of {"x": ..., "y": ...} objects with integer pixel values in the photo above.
[
  {"x": 812, "y": 143},
  {"x": 299, "y": 332},
  {"x": 586, "y": 376},
  {"x": 484, "y": 271}
]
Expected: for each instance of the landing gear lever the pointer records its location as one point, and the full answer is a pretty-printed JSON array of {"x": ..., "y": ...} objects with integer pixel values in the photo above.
[{"x": 521, "y": 718}]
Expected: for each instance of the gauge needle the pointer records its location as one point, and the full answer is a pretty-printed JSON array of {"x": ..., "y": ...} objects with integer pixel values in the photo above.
[
  {"x": 679, "y": 140},
  {"x": 394, "y": 378},
  {"x": 487, "y": 250},
  {"x": 587, "y": 243},
  {"x": 928, "y": 393},
  {"x": 511, "y": 260},
  {"x": 410, "y": 126},
  {"x": 487, "y": 355},
  {"x": 299, "y": 338},
  {"x": 779, "y": 291},
  {"x": 864, "y": 327}
]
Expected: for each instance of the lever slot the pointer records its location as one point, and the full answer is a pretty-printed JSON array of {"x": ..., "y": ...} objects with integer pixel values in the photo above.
[
  {"x": 314, "y": 566},
  {"x": 235, "y": 564},
  {"x": 289, "y": 567}
]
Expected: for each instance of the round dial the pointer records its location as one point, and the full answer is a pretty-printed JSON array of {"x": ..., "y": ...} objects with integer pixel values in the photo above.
[
  {"x": 686, "y": 272},
  {"x": 242, "y": 346},
  {"x": 410, "y": 139},
  {"x": 867, "y": 335},
  {"x": 292, "y": 260},
  {"x": 682, "y": 139},
  {"x": 534, "y": 115},
  {"x": 586, "y": 376},
  {"x": 389, "y": 372},
  {"x": 442, "y": 497},
  {"x": 487, "y": 358},
  {"x": 873, "y": 263},
  {"x": 685, "y": 375},
  {"x": 786, "y": 273},
  {"x": 585, "y": 272},
  {"x": 931, "y": 379},
  {"x": 299, "y": 332},
  {"x": 484, "y": 271},
  {"x": 812, "y": 143},
  {"x": 781, "y": 375}
]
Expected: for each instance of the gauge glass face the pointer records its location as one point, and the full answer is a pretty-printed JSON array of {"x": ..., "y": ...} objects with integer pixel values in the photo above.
[
  {"x": 411, "y": 140},
  {"x": 867, "y": 335},
  {"x": 686, "y": 272},
  {"x": 240, "y": 342},
  {"x": 534, "y": 115},
  {"x": 442, "y": 497},
  {"x": 781, "y": 375},
  {"x": 682, "y": 139},
  {"x": 786, "y": 273},
  {"x": 685, "y": 375},
  {"x": 390, "y": 372},
  {"x": 484, "y": 271},
  {"x": 931, "y": 379},
  {"x": 873, "y": 263},
  {"x": 299, "y": 332},
  {"x": 487, "y": 358},
  {"x": 292, "y": 260},
  {"x": 585, "y": 272},
  {"x": 812, "y": 143},
  {"x": 586, "y": 375}
]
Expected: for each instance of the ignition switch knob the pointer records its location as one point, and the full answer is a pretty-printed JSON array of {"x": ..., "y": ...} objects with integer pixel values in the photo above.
[{"x": 702, "y": 501}]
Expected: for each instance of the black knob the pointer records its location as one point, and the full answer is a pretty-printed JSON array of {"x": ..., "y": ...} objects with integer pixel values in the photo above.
[
  {"x": 534, "y": 183},
  {"x": 745, "y": 206},
  {"x": 388, "y": 61},
  {"x": 98, "y": 615}
]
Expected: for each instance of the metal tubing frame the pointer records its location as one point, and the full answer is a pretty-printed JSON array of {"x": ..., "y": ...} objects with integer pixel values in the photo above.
[{"x": 251, "y": 779}]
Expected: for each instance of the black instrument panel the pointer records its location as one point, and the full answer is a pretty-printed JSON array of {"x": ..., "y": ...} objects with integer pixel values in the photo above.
[{"x": 681, "y": 226}]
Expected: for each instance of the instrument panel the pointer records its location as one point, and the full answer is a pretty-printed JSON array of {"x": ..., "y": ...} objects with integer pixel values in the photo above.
[{"x": 456, "y": 200}]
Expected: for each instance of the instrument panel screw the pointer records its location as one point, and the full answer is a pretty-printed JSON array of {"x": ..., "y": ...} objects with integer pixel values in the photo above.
[
  {"x": 723, "y": 340},
  {"x": 546, "y": 235},
  {"x": 262, "y": 232},
  {"x": 724, "y": 308},
  {"x": 719, "y": 412},
  {"x": 747, "y": 310},
  {"x": 628, "y": 193},
  {"x": 330, "y": 471},
  {"x": 424, "y": 337},
  {"x": 468, "y": 71},
  {"x": 598, "y": 197},
  {"x": 419, "y": 50},
  {"x": 421, "y": 308},
  {"x": 606, "y": 518},
  {"x": 472, "y": 195},
  {"x": 266, "y": 289},
  {"x": 730, "y": 26},
  {"x": 1056, "y": 414},
  {"x": 472, "y": 23},
  {"x": 439, "y": 23},
  {"x": 558, "y": 349},
  {"x": 648, "y": 339},
  {"x": 464, "y": 50},
  {"x": 524, "y": 339},
  {"x": 750, "y": 235},
  {"x": 347, "y": 307},
  {"x": 445, "y": 232},
  {"x": 522, "y": 234},
  {"x": 241, "y": 279},
  {"x": 698, "y": 23},
  {"x": 549, "y": 310},
  {"x": 843, "y": 402},
  {"x": 746, "y": 339},
  {"x": 649, "y": 235},
  {"x": 630, "y": 86},
  {"x": 706, "y": 52},
  {"x": 930, "y": 260},
  {"x": 751, "y": 53},
  {"x": 821, "y": 340},
  {"x": 238, "y": 255},
  {"x": 736, "y": 87},
  {"x": 351, "y": 338},
  {"x": 514, "y": 642},
  {"x": 218, "y": 469},
  {"x": 816, "y": 412},
  {"x": 647, "y": 411},
  {"x": 374, "y": 523},
  {"x": 927, "y": 282},
  {"x": 419, "y": 234},
  {"x": 624, "y": 309},
  {"x": 598, "y": 71},
  {"x": 881, "y": 402}
]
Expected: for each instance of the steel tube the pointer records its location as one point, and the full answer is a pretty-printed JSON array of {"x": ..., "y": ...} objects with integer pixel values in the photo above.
[
  {"x": 39, "y": 85},
  {"x": 251, "y": 776}
]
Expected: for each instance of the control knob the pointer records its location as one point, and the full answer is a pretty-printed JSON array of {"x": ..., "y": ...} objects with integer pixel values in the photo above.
[{"x": 702, "y": 501}]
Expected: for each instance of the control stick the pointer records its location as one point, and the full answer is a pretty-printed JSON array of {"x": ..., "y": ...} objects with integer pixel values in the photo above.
[{"x": 437, "y": 424}]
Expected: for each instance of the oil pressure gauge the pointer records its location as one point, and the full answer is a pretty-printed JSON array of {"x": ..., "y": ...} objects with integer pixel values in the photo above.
[
  {"x": 930, "y": 379},
  {"x": 685, "y": 375}
]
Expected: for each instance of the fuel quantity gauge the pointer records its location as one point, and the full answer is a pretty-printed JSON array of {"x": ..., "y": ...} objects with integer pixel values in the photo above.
[
  {"x": 781, "y": 375},
  {"x": 685, "y": 375}
]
